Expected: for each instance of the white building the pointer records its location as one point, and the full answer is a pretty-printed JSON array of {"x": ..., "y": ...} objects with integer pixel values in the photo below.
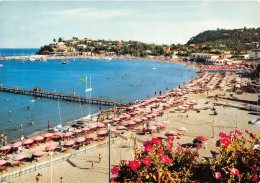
[
  {"x": 204, "y": 56},
  {"x": 255, "y": 54}
]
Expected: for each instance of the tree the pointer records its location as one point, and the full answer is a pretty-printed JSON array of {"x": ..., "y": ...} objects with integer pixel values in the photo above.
[
  {"x": 60, "y": 39},
  {"x": 54, "y": 40}
]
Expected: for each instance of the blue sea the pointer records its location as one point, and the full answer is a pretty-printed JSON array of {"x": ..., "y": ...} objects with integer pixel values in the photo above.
[{"x": 119, "y": 80}]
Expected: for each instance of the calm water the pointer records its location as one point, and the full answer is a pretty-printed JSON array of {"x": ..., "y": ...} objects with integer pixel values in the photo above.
[{"x": 119, "y": 80}]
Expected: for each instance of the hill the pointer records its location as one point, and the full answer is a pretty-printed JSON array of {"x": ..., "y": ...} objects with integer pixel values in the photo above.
[{"x": 236, "y": 39}]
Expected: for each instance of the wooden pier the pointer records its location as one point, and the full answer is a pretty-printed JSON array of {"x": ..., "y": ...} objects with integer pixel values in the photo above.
[{"x": 70, "y": 98}]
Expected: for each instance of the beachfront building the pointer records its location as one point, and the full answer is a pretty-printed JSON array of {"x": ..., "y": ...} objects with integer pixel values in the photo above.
[
  {"x": 255, "y": 54},
  {"x": 220, "y": 61},
  {"x": 61, "y": 47},
  {"x": 204, "y": 57},
  {"x": 81, "y": 46}
]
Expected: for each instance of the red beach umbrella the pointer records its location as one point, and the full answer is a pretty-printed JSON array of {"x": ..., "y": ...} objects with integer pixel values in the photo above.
[
  {"x": 101, "y": 132},
  {"x": 170, "y": 132},
  {"x": 116, "y": 119},
  {"x": 151, "y": 128},
  {"x": 77, "y": 131},
  {"x": 18, "y": 157},
  {"x": 38, "y": 153},
  {"x": 47, "y": 135},
  {"x": 131, "y": 123},
  {"x": 181, "y": 129},
  {"x": 2, "y": 162},
  {"x": 127, "y": 116},
  {"x": 16, "y": 145},
  {"x": 100, "y": 125},
  {"x": 4, "y": 148},
  {"x": 57, "y": 134},
  {"x": 92, "y": 126},
  {"x": 68, "y": 134},
  {"x": 120, "y": 128},
  {"x": 85, "y": 129},
  {"x": 80, "y": 139},
  {"x": 90, "y": 136},
  {"x": 69, "y": 143},
  {"x": 38, "y": 138},
  {"x": 50, "y": 148},
  {"x": 107, "y": 121},
  {"x": 130, "y": 108},
  {"x": 202, "y": 138},
  {"x": 144, "y": 118},
  {"x": 138, "y": 120},
  {"x": 122, "y": 117},
  {"x": 28, "y": 142},
  {"x": 149, "y": 116}
]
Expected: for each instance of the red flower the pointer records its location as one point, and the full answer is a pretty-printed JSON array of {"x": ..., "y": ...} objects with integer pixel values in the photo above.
[
  {"x": 196, "y": 154},
  {"x": 155, "y": 141},
  {"x": 247, "y": 131},
  {"x": 234, "y": 171},
  {"x": 169, "y": 160},
  {"x": 239, "y": 132},
  {"x": 163, "y": 158},
  {"x": 113, "y": 179},
  {"x": 255, "y": 178},
  {"x": 169, "y": 148},
  {"x": 179, "y": 149},
  {"x": 114, "y": 171},
  {"x": 223, "y": 135},
  {"x": 147, "y": 161},
  {"x": 134, "y": 164},
  {"x": 217, "y": 175},
  {"x": 198, "y": 145},
  {"x": 160, "y": 151},
  {"x": 148, "y": 148},
  {"x": 146, "y": 143},
  {"x": 226, "y": 142}
]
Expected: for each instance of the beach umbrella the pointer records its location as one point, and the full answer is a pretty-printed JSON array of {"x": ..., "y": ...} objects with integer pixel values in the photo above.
[
  {"x": 38, "y": 153},
  {"x": 144, "y": 118},
  {"x": 202, "y": 138},
  {"x": 4, "y": 148},
  {"x": 38, "y": 138},
  {"x": 127, "y": 116},
  {"x": 189, "y": 103},
  {"x": 135, "y": 106},
  {"x": 77, "y": 131},
  {"x": 57, "y": 134},
  {"x": 16, "y": 145},
  {"x": 92, "y": 126},
  {"x": 122, "y": 117},
  {"x": 18, "y": 157},
  {"x": 68, "y": 134},
  {"x": 151, "y": 128},
  {"x": 138, "y": 112},
  {"x": 80, "y": 139},
  {"x": 50, "y": 148},
  {"x": 101, "y": 132},
  {"x": 107, "y": 121},
  {"x": 130, "y": 108},
  {"x": 181, "y": 129},
  {"x": 138, "y": 120},
  {"x": 2, "y": 162},
  {"x": 170, "y": 132},
  {"x": 131, "y": 123},
  {"x": 48, "y": 135},
  {"x": 154, "y": 114},
  {"x": 100, "y": 125},
  {"x": 116, "y": 119},
  {"x": 132, "y": 113},
  {"x": 85, "y": 129},
  {"x": 148, "y": 116},
  {"x": 90, "y": 136},
  {"x": 158, "y": 124},
  {"x": 120, "y": 128},
  {"x": 69, "y": 143},
  {"x": 27, "y": 142}
]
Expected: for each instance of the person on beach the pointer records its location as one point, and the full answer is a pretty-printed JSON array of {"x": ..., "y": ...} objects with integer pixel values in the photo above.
[
  {"x": 61, "y": 180},
  {"x": 22, "y": 137},
  {"x": 38, "y": 177},
  {"x": 2, "y": 138},
  {"x": 49, "y": 125},
  {"x": 21, "y": 126},
  {"x": 10, "y": 120},
  {"x": 99, "y": 158},
  {"x": 5, "y": 140}
]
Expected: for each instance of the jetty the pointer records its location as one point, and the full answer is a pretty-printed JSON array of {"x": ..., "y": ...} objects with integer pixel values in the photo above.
[{"x": 54, "y": 95}]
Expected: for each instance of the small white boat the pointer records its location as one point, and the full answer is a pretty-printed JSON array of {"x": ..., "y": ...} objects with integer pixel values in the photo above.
[
  {"x": 32, "y": 101},
  {"x": 154, "y": 68},
  {"x": 1, "y": 65}
]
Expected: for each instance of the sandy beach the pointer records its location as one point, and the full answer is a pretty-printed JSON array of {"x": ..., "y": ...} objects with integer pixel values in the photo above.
[{"x": 88, "y": 168}]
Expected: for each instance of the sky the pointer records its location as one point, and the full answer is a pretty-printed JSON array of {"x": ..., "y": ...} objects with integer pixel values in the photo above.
[{"x": 32, "y": 24}]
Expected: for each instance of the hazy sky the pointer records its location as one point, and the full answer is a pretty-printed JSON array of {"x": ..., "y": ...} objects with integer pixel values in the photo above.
[{"x": 31, "y": 24}]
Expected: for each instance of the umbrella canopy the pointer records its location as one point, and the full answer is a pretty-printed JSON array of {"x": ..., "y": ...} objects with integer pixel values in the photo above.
[
  {"x": 16, "y": 145},
  {"x": 92, "y": 126},
  {"x": 68, "y": 134},
  {"x": 127, "y": 116},
  {"x": 90, "y": 136},
  {"x": 27, "y": 142},
  {"x": 80, "y": 139},
  {"x": 159, "y": 124},
  {"x": 138, "y": 120},
  {"x": 116, "y": 119},
  {"x": 149, "y": 116},
  {"x": 77, "y": 131},
  {"x": 100, "y": 125},
  {"x": 4, "y": 148},
  {"x": 144, "y": 118},
  {"x": 38, "y": 153},
  {"x": 69, "y": 143},
  {"x": 107, "y": 121},
  {"x": 131, "y": 123},
  {"x": 122, "y": 117},
  {"x": 101, "y": 132},
  {"x": 151, "y": 128},
  {"x": 57, "y": 134},
  {"x": 170, "y": 132},
  {"x": 181, "y": 129},
  {"x": 2, "y": 162},
  {"x": 85, "y": 129},
  {"x": 38, "y": 138},
  {"x": 50, "y": 148},
  {"x": 18, "y": 157},
  {"x": 48, "y": 135},
  {"x": 130, "y": 108},
  {"x": 202, "y": 138},
  {"x": 120, "y": 128}
]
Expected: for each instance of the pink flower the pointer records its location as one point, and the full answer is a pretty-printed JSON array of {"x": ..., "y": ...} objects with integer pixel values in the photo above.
[
  {"x": 148, "y": 148},
  {"x": 234, "y": 171},
  {"x": 147, "y": 161},
  {"x": 239, "y": 132},
  {"x": 163, "y": 158},
  {"x": 226, "y": 142},
  {"x": 223, "y": 135},
  {"x": 169, "y": 148},
  {"x": 217, "y": 175},
  {"x": 169, "y": 160},
  {"x": 156, "y": 141},
  {"x": 160, "y": 151},
  {"x": 134, "y": 164},
  {"x": 179, "y": 149},
  {"x": 255, "y": 178},
  {"x": 114, "y": 171}
]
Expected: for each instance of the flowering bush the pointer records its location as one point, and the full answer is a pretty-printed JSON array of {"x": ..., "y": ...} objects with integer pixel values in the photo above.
[{"x": 160, "y": 161}]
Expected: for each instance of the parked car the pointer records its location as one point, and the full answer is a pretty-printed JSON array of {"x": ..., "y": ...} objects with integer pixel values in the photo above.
[{"x": 254, "y": 121}]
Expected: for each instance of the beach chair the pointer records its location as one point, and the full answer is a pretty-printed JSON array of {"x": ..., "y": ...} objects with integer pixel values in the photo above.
[{"x": 3, "y": 168}]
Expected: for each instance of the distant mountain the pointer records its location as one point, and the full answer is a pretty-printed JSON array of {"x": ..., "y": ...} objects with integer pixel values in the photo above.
[{"x": 236, "y": 39}]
